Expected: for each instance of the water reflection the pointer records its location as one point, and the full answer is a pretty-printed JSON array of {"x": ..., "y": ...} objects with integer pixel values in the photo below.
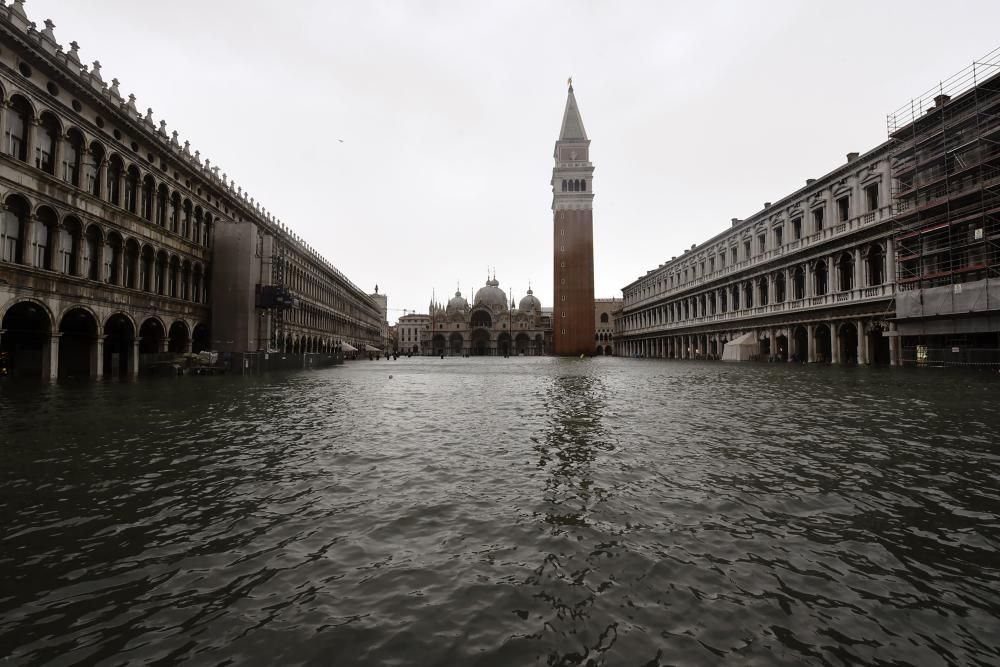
[
  {"x": 574, "y": 404},
  {"x": 522, "y": 511}
]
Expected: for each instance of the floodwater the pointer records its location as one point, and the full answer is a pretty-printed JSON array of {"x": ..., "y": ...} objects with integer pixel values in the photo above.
[{"x": 504, "y": 512}]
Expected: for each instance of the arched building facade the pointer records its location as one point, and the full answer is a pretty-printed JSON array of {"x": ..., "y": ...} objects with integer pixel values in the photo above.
[
  {"x": 108, "y": 232},
  {"x": 489, "y": 326}
]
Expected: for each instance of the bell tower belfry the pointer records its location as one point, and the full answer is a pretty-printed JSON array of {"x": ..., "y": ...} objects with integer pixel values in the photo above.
[{"x": 573, "y": 237}]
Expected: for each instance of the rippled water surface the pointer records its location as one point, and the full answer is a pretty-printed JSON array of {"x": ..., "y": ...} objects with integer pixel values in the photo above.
[{"x": 505, "y": 512}]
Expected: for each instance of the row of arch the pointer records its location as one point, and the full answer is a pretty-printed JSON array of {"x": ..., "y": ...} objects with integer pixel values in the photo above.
[
  {"x": 293, "y": 343},
  {"x": 574, "y": 185},
  {"x": 40, "y": 239},
  {"x": 846, "y": 342},
  {"x": 68, "y": 155},
  {"x": 791, "y": 283},
  {"x": 34, "y": 342},
  {"x": 479, "y": 343}
]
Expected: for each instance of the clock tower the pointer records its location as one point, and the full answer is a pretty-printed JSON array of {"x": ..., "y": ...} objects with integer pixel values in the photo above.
[{"x": 573, "y": 237}]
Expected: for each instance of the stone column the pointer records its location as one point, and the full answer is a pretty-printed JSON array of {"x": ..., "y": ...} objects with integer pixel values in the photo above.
[
  {"x": 808, "y": 288},
  {"x": 155, "y": 197},
  {"x": 102, "y": 179},
  {"x": 165, "y": 344},
  {"x": 30, "y": 139},
  {"x": 27, "y": 252},
  {"x": 120, "y": 265},
  {"x": 862, "y": 343},
  {"x": 890, "y": 261},
  {"x": 55, "y": 247},
  {"x": 133, "y": 358},
  {"x": 97, "y": 357},
  {"x": 834, "y": 343},
  {"x": 894, "y": 359},
  {"x": 50, "y": 357},
  {"x": 832, "y": 276},
  {"x": 811, "y": 343},
  {"x": 859, "y": 270}
]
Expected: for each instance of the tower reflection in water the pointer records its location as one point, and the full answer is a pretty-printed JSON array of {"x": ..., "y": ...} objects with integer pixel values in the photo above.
[{"x": 577, "y": 540}]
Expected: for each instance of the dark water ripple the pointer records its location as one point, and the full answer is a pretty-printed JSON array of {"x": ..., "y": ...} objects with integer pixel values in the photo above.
[{"x": 491, "y": 512}]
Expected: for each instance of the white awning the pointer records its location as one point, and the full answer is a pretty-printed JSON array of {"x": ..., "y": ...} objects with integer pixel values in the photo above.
[
  {"x": 347, "y": 347},
  {"x": 369, "y": 348}
]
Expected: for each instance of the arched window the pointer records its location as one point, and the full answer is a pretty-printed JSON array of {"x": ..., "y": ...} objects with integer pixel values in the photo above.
[
  {"x": 116, "y": 169},
  {"x": 196, "y": 284},
  {"x": 48, "y": 138},
  {"x": 172, "y": 276},
  {"x": 92, "y": 169},
  {"x": 196, "y": 236},
  {"x": 146, "y": 261},
  {"x": 604, "y": 318},
  {"x": 132, "y": 189},
  {"x": 762, "y": 291},
  {"x": 92, "y": 253},
  {"x": 18, "y": 123},
  {"x": 820, "y": 278},
  {"x": 206, "y": 232},
  {"x": 130, "y": 264},
  {"x": 799, "y": 283},
  {"x": 845, "y": 272},
  {"x": 876, "y": 265},
  {"x": 175, "y": 212},
  {"x": 162, "y": 201},
  {"x": 113, "y": 256},
  {"x": 160, "y": 273},
  {"x": 779, "y": 287},
  {"x": 73, "y": 157},
  {"x": 148, "y": 187},
  {"x": 13, "y": 228},
  {"x": 186, "y": 223},
  {"x": 564, "y": 185},
  {"x": 583, "y": 185},
  {"x": 45, "y": 233},
  {"x": 70, "y": 238}
]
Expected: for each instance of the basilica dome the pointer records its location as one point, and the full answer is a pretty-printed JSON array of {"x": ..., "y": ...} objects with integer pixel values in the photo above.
[
  {"x": 491, "y": 296},
  {"x": 530, "y": 303},
  {"x": 457, "y": 304}
]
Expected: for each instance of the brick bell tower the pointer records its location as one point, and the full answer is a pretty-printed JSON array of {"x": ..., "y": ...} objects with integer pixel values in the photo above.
[{"x": 573, "y": 237}]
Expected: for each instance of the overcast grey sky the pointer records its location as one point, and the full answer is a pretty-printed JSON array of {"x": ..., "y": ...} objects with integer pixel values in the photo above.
[{"x": 698, "y": 112}]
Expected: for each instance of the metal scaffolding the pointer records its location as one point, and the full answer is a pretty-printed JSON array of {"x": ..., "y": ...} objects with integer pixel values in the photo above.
[{"x": 946, "y": 180}]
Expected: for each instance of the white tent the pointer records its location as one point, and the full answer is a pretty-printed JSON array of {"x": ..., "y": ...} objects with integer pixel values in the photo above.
[
  {"x": 741, "y": 349},
  {"x": 347, "y": 347}
]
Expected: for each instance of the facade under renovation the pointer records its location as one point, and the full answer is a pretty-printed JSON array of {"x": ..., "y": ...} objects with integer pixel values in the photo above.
[
  {"x": 946, "y": 175},
  {"x": 891, "y": 258}
]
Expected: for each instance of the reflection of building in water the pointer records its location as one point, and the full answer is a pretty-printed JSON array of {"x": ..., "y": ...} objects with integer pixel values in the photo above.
[
  {"x": 573, "y": 440},
  {"x": 487, "y": 326}
]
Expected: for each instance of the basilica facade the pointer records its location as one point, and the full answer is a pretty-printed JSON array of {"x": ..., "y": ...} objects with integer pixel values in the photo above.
[{"x": 489, "y": 326}]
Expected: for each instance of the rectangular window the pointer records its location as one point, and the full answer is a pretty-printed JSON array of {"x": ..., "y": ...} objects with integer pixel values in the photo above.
[
  {"x": 711, "y": 264},
  {"x": 796, "y": 229},
  {"x": 871, "y": 196},
  {"x": 844, "y": 208},
  {"x": 817, "y": 220},
  {"x": 703, "y": 268},
  {"x": 722, "y": 260},
  {"x": 735, "y": 255},
  {"x": 746, "y": 250},
  {"x": 778, "y": 237},
  {"x": 761, "y": 244}
]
